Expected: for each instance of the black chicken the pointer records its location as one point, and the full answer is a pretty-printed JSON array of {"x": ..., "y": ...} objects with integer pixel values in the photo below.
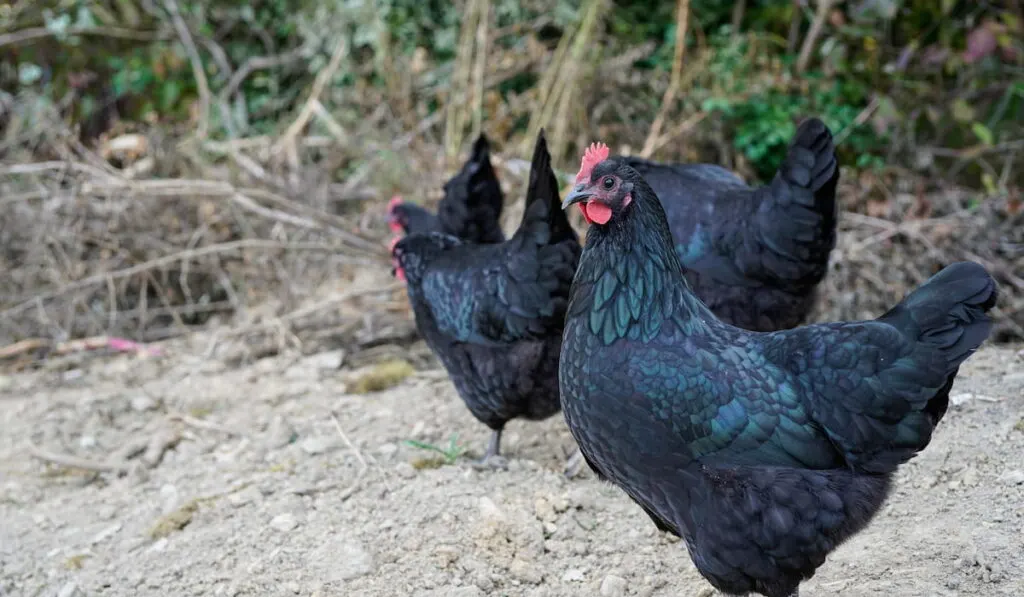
[
  {"x": 754, "y": 256},
  {"x": 470, "y": 208},
  {"x": 763, "y": 451},
  {"x": 494, "y": 313}
]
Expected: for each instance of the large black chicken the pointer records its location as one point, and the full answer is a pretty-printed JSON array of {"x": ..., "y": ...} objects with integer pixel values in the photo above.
[
  {"x": 471, "y": 206},
  {"x": 754, "y": 256},
  {"x": 763, "y": 451},
  {"x": 494, "y": 313}
]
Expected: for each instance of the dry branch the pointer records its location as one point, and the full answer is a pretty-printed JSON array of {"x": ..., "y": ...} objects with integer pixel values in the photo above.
[{"x": 682, "y": 23}]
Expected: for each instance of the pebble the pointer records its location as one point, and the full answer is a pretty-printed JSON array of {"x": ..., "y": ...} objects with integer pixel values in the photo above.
[
  {"x": 353, "y": 561},
  {"x": 1014, "y": 477},
  {"x": 543, "y": 509},
  {"x": 143, "y": 403},
  {"x": 70, "y": 589},
  {"x": 87, "y": 442},
  {"x": 169, "y": 498},
  {"x": 613, "y": 586},
  {"x": 325, "y": 361},
  {"x": 284, "y": 522},
  {"x": 405, "y": 470},
  {"x": 470, "y": 591},
  {"x": 318, "y": 444},
  {"x": 525, "y": 571},
  {"x": 573, "y": 575},
  {"x": 280, "y": 433},
  {"x": 489, "y": 510}
]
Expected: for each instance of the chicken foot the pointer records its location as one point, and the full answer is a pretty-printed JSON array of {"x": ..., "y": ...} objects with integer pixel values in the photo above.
[{"x": 492, "y": 457}]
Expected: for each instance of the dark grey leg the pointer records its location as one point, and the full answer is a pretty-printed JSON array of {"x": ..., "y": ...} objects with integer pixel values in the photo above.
[
  {"x": 493, "y": 446},
  {"x": 492, "y": 457}
]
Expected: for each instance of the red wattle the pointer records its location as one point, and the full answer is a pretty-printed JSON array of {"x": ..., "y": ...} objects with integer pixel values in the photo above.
[
  {"x": 597, "y": 212},
  {"x": 583, "y": 210}
]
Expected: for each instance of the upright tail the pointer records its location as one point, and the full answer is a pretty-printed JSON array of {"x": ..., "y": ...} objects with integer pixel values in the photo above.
[
  {"x": 797, "y": 219},
  {"x": 472, "y": 203},
  {"x": 949, "y": 311},
  {"x": 544, "y": 221}
]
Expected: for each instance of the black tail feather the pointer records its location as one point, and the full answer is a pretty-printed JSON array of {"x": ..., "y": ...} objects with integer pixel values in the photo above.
[
  {"x": 799, "y": 228},
  {"x": 949, "y": 310},
  {"x": 543, "y": 214}
]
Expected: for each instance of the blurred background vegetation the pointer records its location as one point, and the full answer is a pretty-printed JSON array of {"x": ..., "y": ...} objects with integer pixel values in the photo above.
[{"x": 323, "y": 109}]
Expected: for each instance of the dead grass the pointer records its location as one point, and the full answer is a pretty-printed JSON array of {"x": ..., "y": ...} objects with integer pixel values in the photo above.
[{"x": 153, "y": 232}]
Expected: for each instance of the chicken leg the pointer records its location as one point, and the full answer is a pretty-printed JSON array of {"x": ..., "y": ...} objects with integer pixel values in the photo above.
[
  {"x": 574, "y": 464},
  {"x": 492, "y": 457}
]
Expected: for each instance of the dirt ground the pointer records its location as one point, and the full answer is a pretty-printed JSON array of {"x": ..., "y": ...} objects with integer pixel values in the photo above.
[{"x": 278, "y": 482}]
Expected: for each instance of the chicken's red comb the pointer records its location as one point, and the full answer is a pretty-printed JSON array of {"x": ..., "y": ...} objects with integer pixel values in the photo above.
[
  {"x": 396, "y": 200},
  {"x": 595, "y": 154}
]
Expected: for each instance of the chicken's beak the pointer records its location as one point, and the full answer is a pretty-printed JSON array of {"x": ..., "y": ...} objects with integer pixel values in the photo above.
[{"x": 579, "y": 193}]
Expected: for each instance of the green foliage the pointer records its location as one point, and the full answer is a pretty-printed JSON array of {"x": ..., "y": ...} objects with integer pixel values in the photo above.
[
  {"x": 449, "y": 453},
  {"x": 946, "y": 74}
]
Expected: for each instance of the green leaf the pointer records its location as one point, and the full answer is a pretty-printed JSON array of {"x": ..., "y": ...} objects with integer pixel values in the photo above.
[
  {"x": 983, "y": 133},
  {"x": 962, "y": 111}
]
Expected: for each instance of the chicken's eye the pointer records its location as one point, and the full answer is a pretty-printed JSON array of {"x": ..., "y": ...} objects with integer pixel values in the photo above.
[{"x": 608, "y": 182}]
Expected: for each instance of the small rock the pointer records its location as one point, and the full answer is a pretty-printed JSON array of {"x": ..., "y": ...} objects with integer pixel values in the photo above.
[
  {"x": 87, "y": 442},
  {"x": 160, "y": 544},
  {"x": 280, "y": 433},
  {"x": 525, "y": 571},
  {"x": 169, "y": 498},
  {"x": 387, "y": 450},
  {"x": 573, "y": 575},
  {"x": 489, "y": 510},
  {"x": 613, "y": 586},
  {"x": 543, "y": 509},
  {"x": 1014, "y": 477},
  {"x": 405, "y": 470},
  {"x": 244, "y": 497},
  {"x": 470, "y": 591},
  {"x": 143, "y": 403},
  {"x": 318, "y": 445},
  {"x": 70, "y": 589},
  {"x": 284, "y": 522},
  {"x": 106, "y": 533},
  {"x": 326, "y": 361},
  {"x": 970, "y": 478},
  {"x": 353, "y": 561}
]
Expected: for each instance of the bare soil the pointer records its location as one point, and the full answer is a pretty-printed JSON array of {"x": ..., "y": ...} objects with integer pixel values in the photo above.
[{"x": 276, "y": 481}]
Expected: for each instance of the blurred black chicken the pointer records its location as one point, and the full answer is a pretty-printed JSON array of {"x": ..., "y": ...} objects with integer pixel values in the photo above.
[
  {"x": 470, "y": 209},
  {"x": 763, "y": 451},
  {"x": 493, "y": 313},
  {"x": 754, "y": 256}
]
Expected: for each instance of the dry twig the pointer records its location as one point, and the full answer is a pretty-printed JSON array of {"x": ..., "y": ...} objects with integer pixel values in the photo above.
[
  {"x": 196, "y": 63},
  {"x": 287, "y": 144},
  {"x": 68, "y": 461},
  {"x": 682, "y": 22},
  {"x": 820, "y": 16}
]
